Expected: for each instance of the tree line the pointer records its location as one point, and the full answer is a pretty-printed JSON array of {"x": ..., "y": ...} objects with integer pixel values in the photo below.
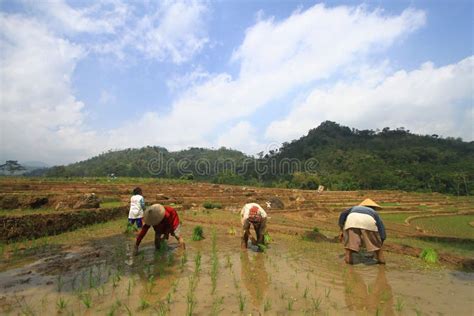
[{"x": 341, "y": 158}]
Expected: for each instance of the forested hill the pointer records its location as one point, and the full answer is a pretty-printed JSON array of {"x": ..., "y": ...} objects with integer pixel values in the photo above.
[
  {"x": 388, "y": 159},
  {"x": 150, "y": 162},
  {"x": 341, "y": 159}
]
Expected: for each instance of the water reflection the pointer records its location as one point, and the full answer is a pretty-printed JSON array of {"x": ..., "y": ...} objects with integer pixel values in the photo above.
[
  {"x": 254, "y": 276},
  {"x": 362, "y": 297}
]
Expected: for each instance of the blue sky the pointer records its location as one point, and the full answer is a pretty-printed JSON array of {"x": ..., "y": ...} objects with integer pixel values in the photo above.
[{"x": 82, "y": 77}]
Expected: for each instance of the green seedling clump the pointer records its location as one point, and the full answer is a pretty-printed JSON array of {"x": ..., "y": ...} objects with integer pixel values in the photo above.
[
  {"x": 267, "y": 239},
  {"x": 130, "y": 229},
  {"x": 198, "y": 233},
  {"x": 211, "y": 205},
  {"x": 429, "y": 255}
]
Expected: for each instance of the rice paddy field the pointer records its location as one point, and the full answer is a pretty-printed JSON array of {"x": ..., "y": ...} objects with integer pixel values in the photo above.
[{"x": 87, "y": 268}]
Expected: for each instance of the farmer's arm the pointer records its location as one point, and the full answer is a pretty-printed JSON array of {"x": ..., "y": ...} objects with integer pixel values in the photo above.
[
  {"x": 380, "y": 226},
  {"x": 343, "y": 218},
  {"x": 142, "y": 234},
  {"x": 142, "y": 203}
]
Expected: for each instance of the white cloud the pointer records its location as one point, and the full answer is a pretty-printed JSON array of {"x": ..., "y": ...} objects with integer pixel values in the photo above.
[
  {"x": 107, "y": 97},
  {"x": 426, "y": 100},
  {"x": 164, "y": 31},
  {"x": 41, "y": 119},
  {"x": 102, "y": 17},
  {"x": 275, "y": 59},
  {"x": 173, "y": 30},
  {"x": 242, "y": 136}
]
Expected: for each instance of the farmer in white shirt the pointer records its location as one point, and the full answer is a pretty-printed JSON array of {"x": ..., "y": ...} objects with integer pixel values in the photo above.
[
  {"x": 253, "y": 214},
  {"x": 137, "y": 206}
]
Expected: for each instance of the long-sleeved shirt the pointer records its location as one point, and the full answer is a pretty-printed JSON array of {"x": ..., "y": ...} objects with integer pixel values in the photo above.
[
  {"x": 366, "y": 211},
  {"x": 168, "y": 224},
  {"x": 137, "y": 206}
]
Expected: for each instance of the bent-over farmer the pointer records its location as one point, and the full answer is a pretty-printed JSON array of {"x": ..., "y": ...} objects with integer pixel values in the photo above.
[
  {"x": 362, "y": 224},
  {"x": 165, "y": 221},
  {"x": 253, "y": 214}
]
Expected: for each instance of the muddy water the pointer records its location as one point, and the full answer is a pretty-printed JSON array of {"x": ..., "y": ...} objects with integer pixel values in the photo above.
[{"x": 292, "y": 277}]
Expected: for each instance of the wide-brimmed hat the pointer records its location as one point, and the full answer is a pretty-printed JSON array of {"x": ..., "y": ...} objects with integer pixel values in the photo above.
[
  {"x": 370, "y": 203},
  {"x": 154, "y": 214}
]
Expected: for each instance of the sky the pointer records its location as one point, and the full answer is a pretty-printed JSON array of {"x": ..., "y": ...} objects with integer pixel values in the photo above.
[{"x": 78, "y": 78}]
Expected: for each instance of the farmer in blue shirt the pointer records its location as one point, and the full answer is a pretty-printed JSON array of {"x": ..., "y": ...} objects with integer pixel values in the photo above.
[{"x": 361, "y": 224}]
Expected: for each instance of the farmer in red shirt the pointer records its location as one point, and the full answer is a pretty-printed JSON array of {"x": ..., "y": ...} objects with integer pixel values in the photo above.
[{"x": 165, "y": 221}]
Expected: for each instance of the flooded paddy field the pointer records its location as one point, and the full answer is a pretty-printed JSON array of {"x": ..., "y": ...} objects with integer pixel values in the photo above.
[
  {"x": 90, "y": 270},
  {"x": 95, "y": 273}
]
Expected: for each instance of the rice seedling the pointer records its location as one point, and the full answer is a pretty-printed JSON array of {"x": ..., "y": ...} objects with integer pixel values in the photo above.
[
  {"x": 267, "y": 305},
  {"x": 184, "y": 259},
  {"x": 161, "y": 309},
  {"x": 216, "y": 305},
  {"x": 129, "y": 288},
  {"x": 417, "y": 312},
  {"x": 190, "y": 298},
  {"x": 214, "y": 262},
  {"x": 163, "y": 248},
  {"x": 316, "y": 303},
  {"x": 289, "y": 306},
  {"x": 86, "y": 300},
  {"x": 144, "y": 304},
  {"x": 327, "y": 292},
  {"x": 26, "y": 309},
  {"x": 91, "y": 279},
  {"x": 232, "y": 231},
  {"x": 61, "y": 304},
  {"x": 174, "y": 286},
  {"x": 114, "y": 308},
  {"x": 305, "y": 293},
  {"x": 241, "y": 302},
  {"x": 100, "y": 290},
  {"x": 266, "y": 238},
  {"x": 399, "y": 305},
  {"x": 59, "y": 283},
  {"x": 198, "y": 233},
  {"x": 129, "y": 312},
  {"x": 228, "y": 262},
  {"x": 170, "y": 260},
  {"x": 150, "y": 284},
  {"x": 197, "y": 264}
]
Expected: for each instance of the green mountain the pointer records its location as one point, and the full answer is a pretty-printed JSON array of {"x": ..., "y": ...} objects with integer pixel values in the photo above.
[
  {"x": 349, "y": 159},
  {"x": 153, "y": 161},
  {"x": 332, "y": 155}
]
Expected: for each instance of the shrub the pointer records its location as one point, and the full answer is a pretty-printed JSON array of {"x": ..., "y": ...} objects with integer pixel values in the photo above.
[
  {"x": 429, "y": 255},
  {"x": 210, "y": 205},
  {"x": 198, "y": 233}
]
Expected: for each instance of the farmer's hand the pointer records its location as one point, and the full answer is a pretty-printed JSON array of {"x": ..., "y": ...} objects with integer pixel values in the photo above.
[
  {"x": 341, "y": 237},
  {"x": 181, "y": 243}
]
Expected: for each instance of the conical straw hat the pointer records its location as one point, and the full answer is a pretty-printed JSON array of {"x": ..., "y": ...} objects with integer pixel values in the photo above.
[
  {"x": 154, "y": 214},
  {"x": 370, "y": 203}
]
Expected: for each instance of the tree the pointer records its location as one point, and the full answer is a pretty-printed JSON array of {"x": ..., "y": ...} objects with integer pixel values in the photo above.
[{"x": 12, "y": 166}]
